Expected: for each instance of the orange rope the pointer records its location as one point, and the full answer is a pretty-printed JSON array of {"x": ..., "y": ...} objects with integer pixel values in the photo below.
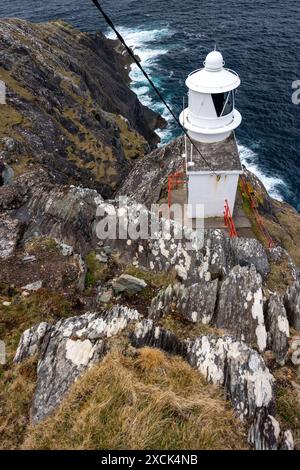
[
  {"x": 228, "y": 220},
  {"x": 258, "y": 218}
]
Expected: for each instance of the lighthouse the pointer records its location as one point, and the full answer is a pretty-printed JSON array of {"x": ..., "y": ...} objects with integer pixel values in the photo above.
[{"x": 212, "y": 160}]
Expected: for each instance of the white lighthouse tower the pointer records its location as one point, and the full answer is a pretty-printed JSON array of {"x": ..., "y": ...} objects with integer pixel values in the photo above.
[{"x": 212, "y": 160}]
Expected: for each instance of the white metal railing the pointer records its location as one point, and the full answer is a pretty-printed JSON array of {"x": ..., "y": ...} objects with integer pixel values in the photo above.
[{"x": 228, "y": 70}]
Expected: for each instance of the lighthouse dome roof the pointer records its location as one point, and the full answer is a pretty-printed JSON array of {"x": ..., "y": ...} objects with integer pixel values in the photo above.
[
  {"x": 214, "y": 77},
  {"x": 214, "y": 61}
]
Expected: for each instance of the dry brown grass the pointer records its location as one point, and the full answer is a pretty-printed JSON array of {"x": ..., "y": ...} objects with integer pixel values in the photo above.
[
  {"x": 280, "y": 276},
  {"x": 141, "y": 401},
  {"x": 16, "y": 390},
  {"x": 288, "y": 400},
  {"x": 26, "y": 312}
]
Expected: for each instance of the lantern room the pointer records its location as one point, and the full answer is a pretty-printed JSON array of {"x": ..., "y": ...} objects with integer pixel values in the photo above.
[{"x": 211, "y": 115}]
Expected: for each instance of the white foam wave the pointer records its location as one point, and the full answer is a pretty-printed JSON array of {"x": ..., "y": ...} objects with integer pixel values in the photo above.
[
  {"x": 138, "y": 37},
  {"x": 271, "y": 183},
  {"x": 143, "y": 44}
]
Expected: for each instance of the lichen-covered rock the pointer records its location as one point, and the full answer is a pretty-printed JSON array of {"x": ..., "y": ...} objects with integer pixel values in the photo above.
[
  {"x": 31, "y": 341},
  {"x": 278, "y": 328},
  {"x": 240, "y": 306},
  {"x": 233, "y": 364},
  {"x": 66, "y": 350},
  {"x": 10, "y": 232},
  {"x": 292, "y": 304},
  {"x": 65, "y": 213},
  {"x": 158, "y": 245},
  {"x": 264, "y": 432},
  {"x": 247, "y": 252},
  {"x": 287, "y": 441},
  {"x": 196, "y": 302},
  {"x": 248, "y": 382},
  {"x": 216, "y": 261}
]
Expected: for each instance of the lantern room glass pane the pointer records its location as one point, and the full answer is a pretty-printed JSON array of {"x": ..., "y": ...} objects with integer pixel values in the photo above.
[{"x": 223, "y": 103}]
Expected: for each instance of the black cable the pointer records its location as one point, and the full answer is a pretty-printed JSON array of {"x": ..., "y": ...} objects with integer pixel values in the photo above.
[{"x": 130, "y": 52}]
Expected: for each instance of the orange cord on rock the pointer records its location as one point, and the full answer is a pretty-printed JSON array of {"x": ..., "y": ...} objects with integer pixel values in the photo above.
[{"x": 253, "y": 206}]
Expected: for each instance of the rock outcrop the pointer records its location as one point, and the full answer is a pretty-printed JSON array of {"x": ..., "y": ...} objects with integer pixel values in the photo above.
[
  {"x": 234, "y": 365},
  {"x": 240, "y": 308},
  {"x": 292, "y": 304},
  {"x": 196, "y": 303},
  {"x": 69, "y": 108},
  {"x": 66, "y": 350},
  {"x": 278, "y": 328}
]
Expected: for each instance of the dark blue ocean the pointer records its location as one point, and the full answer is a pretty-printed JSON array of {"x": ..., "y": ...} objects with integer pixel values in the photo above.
[{"x": 260, "y": 39}]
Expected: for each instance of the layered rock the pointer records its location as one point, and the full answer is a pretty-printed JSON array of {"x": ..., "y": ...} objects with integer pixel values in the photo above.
[
  {"x": 292, "y": 304},
  {"x": 240, "y": 307},
  {"x": 278, "y": 328},
  {"x": 66, "y": 350},
  {"x": 196, "y": 303},
  {"x": 66, "y": 213},
  {"x": 147, "y": 333}
]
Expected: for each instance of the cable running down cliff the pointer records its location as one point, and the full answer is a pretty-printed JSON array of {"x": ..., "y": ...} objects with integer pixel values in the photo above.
[{"x": 153, "y": 86}]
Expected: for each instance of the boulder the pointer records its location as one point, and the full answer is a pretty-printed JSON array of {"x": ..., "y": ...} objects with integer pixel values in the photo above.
[
  {"x": 248, "y": 382},
  {"x": 240, "y": 306},
  {"x": 247, "y": 252},
  {"x": 66, "y": 350},
  {"x": 278, "y": 328},
  {"x": 31, "y": 341},
  {"x": 233, "y": 364},
  {"x": 128, "y": 284},
  {"x": 215, "y": 258},
  {"x": 34, "y": 286}
]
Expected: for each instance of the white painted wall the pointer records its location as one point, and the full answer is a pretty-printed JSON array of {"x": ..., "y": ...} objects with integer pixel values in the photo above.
[{"x": 207, "y": 190}]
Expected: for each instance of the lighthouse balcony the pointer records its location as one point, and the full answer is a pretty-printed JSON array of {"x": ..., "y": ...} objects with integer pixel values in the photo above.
[
  {"x": 212, "y": 122},
  {"x": 210, "y": 129}
]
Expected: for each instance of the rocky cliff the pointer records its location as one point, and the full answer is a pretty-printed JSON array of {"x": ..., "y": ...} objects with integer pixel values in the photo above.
[
  {"x": 202, "y": 336},
  {"x": 69, "y": 109}
]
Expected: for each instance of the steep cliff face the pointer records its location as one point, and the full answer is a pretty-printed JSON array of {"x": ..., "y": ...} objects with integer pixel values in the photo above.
[{"x": 69, "y": 109}]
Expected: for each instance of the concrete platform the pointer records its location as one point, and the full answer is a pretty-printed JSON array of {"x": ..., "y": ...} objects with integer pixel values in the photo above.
[
  {"x": 220, "y": 156},
  {"x": 242, "y": 223}
]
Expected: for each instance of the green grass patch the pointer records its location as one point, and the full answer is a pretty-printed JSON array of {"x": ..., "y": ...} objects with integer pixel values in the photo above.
[{"x": 96, "y": 271}]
